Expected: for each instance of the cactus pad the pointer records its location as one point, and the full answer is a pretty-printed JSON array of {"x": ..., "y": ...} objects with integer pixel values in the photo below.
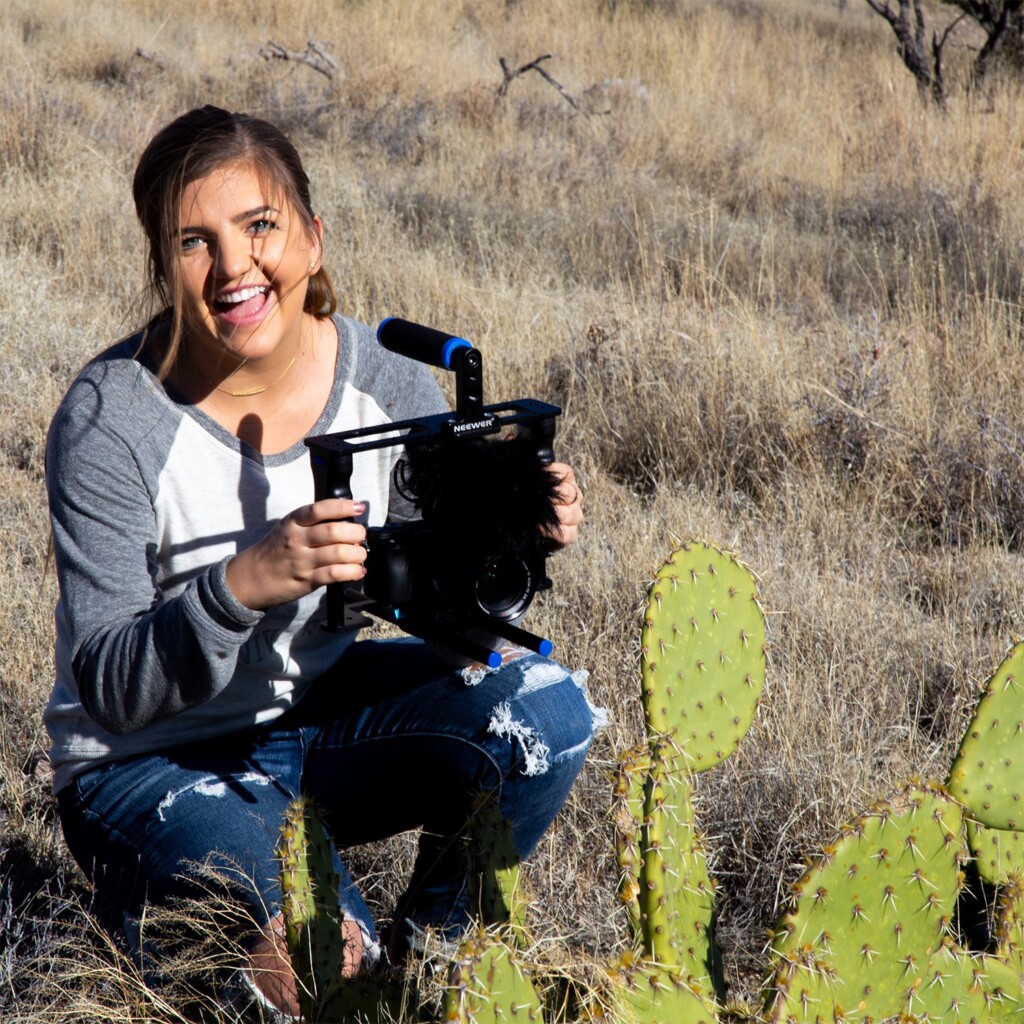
[
  {"x": 645, "y": 993},
  {"x": 494, "y": 867},
  {"x": 703, "y": 664},
  {"x": 956, "y": 986},
  {"x": 998, "y": 853},
  {"x": 488, "y": 986},
  {"x": 987, "y": 776},
  {"x": 870, "y": 912},
  {"x": 627, "y": 816}
]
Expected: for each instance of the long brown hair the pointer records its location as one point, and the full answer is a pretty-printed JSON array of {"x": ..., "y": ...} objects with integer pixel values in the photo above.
[{"x": 189, "y": 148}]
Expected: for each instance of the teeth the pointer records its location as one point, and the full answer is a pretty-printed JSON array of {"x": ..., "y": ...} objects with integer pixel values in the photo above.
[{"x": 243, "y": 295}]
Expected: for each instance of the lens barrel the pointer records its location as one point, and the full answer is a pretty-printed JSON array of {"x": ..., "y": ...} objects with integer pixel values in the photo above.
[{"x": 504, "y": 587}]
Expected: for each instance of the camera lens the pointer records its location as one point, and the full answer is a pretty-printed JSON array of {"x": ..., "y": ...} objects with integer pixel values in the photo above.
[{"x": 504, "y": 587}]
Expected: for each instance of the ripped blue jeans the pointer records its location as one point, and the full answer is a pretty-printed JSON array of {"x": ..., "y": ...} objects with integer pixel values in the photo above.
[{"x": 391, "y": 739}]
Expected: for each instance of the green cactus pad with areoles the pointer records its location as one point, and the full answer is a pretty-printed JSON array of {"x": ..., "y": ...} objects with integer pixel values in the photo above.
[
  {"x": 870, "y": 912},
  {"x": 494, "y": 867},
  {"x": 702, "y": 645},
  {"x": 987, "y": 776},
  {"x": 956, "y": 986},
  {"x": 998, "y": 852},
  {"x": 488, "y": 985},
  {"x": 646, "y": 993}
]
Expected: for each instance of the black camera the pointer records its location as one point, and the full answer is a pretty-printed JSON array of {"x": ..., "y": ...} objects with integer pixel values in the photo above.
[{"x": 463, "y": 573}]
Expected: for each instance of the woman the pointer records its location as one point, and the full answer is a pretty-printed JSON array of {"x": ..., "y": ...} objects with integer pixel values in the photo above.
[{"x": 196, "y": 691}]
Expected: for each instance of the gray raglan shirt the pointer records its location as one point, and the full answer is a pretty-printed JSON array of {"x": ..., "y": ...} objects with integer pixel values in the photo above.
[{"x": 149, "y": 498}]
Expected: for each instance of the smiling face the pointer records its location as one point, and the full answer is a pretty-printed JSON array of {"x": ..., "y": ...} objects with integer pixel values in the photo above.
[{"x": 244, "y": 260}]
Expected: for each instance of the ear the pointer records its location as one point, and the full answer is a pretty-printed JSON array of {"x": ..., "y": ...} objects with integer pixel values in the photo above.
[{"x": 316, "y": 244}]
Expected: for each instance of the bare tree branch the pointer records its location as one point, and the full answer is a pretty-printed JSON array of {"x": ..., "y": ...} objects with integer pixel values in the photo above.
[
  {"x": 908, "y": 25},
  {"x": 1002, "y": 21}
]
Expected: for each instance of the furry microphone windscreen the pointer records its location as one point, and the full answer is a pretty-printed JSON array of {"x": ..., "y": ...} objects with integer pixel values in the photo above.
[{"x": 477, "y": 493}]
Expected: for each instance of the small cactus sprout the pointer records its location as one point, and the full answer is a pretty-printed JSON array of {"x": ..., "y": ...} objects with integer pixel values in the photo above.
[
  {"x": 868, "y": 915},
  {"x": 494, "y": 868},
  {"x": 488, "y": 985},
  {"x": 987, "y": 776},
  {"x": 628, "y": 818},
  {"x": 309, "y": 903},
  {"x": 702, "y": 646}
]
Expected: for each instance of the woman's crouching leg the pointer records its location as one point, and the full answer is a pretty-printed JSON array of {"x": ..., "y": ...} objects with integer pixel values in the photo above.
[{"x": 535, "y": 725}]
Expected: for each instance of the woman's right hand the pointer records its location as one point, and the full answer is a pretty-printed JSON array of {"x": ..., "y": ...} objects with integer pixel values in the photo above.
[{"x": 309, "y": 548}]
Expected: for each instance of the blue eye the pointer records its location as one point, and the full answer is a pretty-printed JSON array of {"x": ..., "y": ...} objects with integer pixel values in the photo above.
[
  {"x": 190, "y": 242},
  {"x": 262, "y": 226}
]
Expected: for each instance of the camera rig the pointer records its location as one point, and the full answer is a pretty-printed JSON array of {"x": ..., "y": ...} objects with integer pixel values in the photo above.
[{"x": 467, "y": 617}]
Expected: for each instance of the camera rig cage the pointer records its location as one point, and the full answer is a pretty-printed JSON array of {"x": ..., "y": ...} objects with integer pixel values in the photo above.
[{"x": 331, "y": 462}]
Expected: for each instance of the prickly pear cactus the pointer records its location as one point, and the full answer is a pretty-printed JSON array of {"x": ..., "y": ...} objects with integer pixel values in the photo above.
[
  {"x": 702, "y": 672},
  {"x": 836, "y": 957},
  {"x": 677, "y": 894},
  {"x": 871, "y": 928},
  {"x": 309, "y": 890}
]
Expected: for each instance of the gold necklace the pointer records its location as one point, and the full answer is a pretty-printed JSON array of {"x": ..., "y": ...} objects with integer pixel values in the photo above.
[{"x": 242, "y": 394}]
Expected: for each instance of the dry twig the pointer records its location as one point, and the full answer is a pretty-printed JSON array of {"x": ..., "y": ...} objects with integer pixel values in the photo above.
[
  {"x": 314, "y": 55},
  {"x": 533, "y": 65}
]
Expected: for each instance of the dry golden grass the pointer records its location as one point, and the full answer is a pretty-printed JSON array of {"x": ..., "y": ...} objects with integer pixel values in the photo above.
[{"x": 778, "y": 297}]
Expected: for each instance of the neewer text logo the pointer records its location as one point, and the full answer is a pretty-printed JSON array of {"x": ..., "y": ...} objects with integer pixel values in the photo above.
[{"x": 461, "y": 428}]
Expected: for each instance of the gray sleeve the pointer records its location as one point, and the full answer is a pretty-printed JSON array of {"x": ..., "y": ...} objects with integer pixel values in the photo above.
[{"x": 137, "y": 655}]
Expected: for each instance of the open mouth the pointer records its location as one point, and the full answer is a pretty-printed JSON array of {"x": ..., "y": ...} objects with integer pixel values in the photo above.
[{"x": 244, "y": 302}]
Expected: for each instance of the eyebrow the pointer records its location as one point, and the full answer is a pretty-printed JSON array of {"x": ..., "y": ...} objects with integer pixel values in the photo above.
[{"x": 240, "y": 218}]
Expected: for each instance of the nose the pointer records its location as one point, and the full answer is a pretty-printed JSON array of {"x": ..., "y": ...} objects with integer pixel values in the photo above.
[{"x": 233, "y": 257}]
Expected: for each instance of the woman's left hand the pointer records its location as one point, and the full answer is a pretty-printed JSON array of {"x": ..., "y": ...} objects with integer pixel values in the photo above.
[{"x": 568, "y": 506}]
